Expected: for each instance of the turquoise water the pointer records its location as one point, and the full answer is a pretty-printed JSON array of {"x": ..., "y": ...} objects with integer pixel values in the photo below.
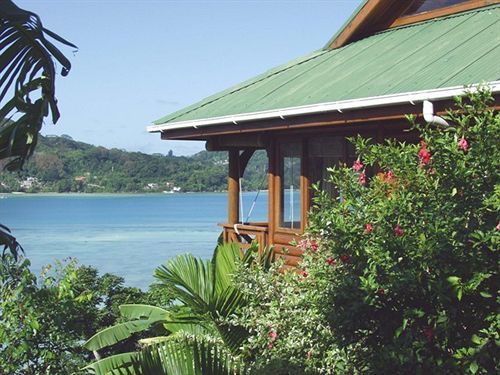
[{"x": 128, "y": 235}]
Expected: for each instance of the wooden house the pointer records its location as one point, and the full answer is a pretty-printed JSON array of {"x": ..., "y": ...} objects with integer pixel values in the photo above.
[{"x": 389, "y": 58}]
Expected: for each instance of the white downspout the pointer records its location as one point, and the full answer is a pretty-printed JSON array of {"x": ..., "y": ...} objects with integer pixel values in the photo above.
[{"x": 430, "y": 117}]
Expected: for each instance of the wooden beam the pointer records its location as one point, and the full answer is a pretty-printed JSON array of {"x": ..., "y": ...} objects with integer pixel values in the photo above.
[
  {"x": 244, "y": 158},
  {"x": 374, "y": 16},
  {"x": 228, "y": 142},
  {"x": 233, "y": 188}
]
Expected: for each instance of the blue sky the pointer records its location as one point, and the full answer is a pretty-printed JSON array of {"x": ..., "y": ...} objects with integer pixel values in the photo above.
[{"x": 140, "y": 60}]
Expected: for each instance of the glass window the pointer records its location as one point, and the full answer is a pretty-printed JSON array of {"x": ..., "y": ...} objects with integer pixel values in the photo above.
[
  {"x": 328, "y": 152},
  {"x": 290, "y": 213},
  {"x": 421, "y": 6}
]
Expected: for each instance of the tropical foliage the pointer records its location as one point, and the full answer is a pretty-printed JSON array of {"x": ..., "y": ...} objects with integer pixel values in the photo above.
[
  {"x": 45, "y": 320},
  {"x": 195, "y": 336}
]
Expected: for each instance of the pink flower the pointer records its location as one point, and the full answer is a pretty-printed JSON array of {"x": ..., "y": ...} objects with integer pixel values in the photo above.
[
  {"x": 498, "y": 226},
  {"x": 303, "y": 244},
  {"x": 273, "y": 336},
  {"x": 345, "y": 258},
  {"x": 463, "y": 144},
  {"x": 389, "y": 176},
  {"x": 270, "y": 345},
  {"x": 398, "y": 231},
  {"x": 424, "y": 154},
  {"x": 314, "y": 246},
  {"x": 330, "y": 261},
  {"x": 362, "y": 178},
  {"x": 368, "y": 228},
  {"x": 357, "y": 165}
]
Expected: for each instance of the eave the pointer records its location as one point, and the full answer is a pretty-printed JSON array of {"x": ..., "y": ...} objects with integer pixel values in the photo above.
[{"x": 339, "y": 107}]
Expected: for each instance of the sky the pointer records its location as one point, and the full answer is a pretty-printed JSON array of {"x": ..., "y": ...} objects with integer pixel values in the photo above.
[{"x": 140, "y": 60}]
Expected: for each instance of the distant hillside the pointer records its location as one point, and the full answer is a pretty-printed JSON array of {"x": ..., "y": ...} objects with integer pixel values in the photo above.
[{"x": 61, "y": 164}]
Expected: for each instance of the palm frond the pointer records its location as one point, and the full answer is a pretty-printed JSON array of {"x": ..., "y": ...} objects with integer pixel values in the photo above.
[
  {"x": 187, "y": 355},
  {"x": 114, "y": 334},
  {"x": 190, "y": 279},
  {"x": 118, "y": 364},
  {"x": 27, "y": 69}
]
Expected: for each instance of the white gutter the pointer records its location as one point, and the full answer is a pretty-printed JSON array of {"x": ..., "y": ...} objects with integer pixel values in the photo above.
[
  {"x": 339, "y": 106},
  {"x": 430, "y": 117}
]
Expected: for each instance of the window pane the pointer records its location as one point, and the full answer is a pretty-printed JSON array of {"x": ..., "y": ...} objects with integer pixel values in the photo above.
[
  {"x": 324, "y": 153},
  {"x": 422, "y": 6},
  {"x": 290, "y": 190}
]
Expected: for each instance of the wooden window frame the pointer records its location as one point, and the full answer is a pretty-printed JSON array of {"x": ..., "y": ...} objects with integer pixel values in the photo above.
[
  {"x": 457, "y": 8},
  {"x": 304, "y": 187}
]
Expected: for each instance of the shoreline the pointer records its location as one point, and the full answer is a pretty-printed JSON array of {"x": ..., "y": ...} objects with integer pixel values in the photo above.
[{"x": 56, "y": 194}]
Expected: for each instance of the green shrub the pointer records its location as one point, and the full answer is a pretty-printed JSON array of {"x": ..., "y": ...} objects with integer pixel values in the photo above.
[{"x": 403, "y": 277}]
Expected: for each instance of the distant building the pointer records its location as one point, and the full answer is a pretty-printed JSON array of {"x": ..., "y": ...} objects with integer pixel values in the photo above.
[{"x": 29, "y": 183}]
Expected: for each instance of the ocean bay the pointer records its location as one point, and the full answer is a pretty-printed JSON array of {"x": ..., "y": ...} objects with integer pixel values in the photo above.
[{"x": 125, "y": 234}]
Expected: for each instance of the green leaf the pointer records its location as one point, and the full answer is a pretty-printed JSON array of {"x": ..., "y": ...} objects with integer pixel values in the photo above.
[
  {"x": 485, "y": 294},
  {"x": 112, "y": 335},
  {"x": 473, "y": 367},
  {"x": 453, "y": 280},
  {"x": 139, "y": 311},
  {"x": 106, "y": 365}
]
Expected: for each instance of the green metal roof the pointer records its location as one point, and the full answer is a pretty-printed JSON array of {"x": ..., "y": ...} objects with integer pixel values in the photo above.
[{"x": 457, "y": 50}]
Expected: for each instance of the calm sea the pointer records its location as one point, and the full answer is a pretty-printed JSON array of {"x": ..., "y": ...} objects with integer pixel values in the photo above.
[{"x": 128, "y": 235}]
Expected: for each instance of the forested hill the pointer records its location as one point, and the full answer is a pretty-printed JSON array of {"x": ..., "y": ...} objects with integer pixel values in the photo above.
[{"x": 61, "y": 164}]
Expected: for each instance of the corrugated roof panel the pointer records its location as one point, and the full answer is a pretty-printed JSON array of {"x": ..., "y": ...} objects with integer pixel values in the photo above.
[{"x": 450, "y": 51}]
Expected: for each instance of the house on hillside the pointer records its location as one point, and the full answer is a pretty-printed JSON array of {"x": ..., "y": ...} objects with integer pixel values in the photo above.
[{"x": 389, "y": 58}]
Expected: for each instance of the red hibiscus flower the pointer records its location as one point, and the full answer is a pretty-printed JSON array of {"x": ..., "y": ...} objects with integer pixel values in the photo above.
[
  {"x": 314, "y": 246},
  {"x": 345, "y": 258},
  {"x": 463, "y": 144},
  {"x": 357, "y": 165},
  {"x": 429, "y": 333},
  {"x": 330, "y": 261},
  {"x": 304, "y": 274},
  {"x": 398, "y": 231},
  {"x": 424, "y": 154},
  {"x": 381, "y": 291},
  {"x": 362, "y": 178},
  {"x": 368, "y": 228}
]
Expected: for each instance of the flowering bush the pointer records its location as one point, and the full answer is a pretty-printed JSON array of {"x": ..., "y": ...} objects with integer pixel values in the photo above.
[
  {"x": 416, "y": 248},
  {"x": 403, "y": 274}
]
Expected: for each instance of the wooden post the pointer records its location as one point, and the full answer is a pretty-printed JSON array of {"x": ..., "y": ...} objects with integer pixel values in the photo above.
[{"x": 233, "y": 188}]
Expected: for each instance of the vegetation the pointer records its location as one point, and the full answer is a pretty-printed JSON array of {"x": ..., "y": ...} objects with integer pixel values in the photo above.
[
  {"x": 400, "y": 274},
  {"x": 45, "y": 321},
  {"x": 195, "y": 336},
  {"x": 61, "y": 164}
]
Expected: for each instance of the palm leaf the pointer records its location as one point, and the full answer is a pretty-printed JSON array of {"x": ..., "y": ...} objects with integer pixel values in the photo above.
[
  {"x": 141, "y": 311},
  {"x": 114, "y": 334},
  {"x": 116, "y": 364},
  {"x": 27, "y": 73},
  {"x": 191, "y": 280},
  {"x": 201, "y": 355},
  {"x": 224, "y": 261}
]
